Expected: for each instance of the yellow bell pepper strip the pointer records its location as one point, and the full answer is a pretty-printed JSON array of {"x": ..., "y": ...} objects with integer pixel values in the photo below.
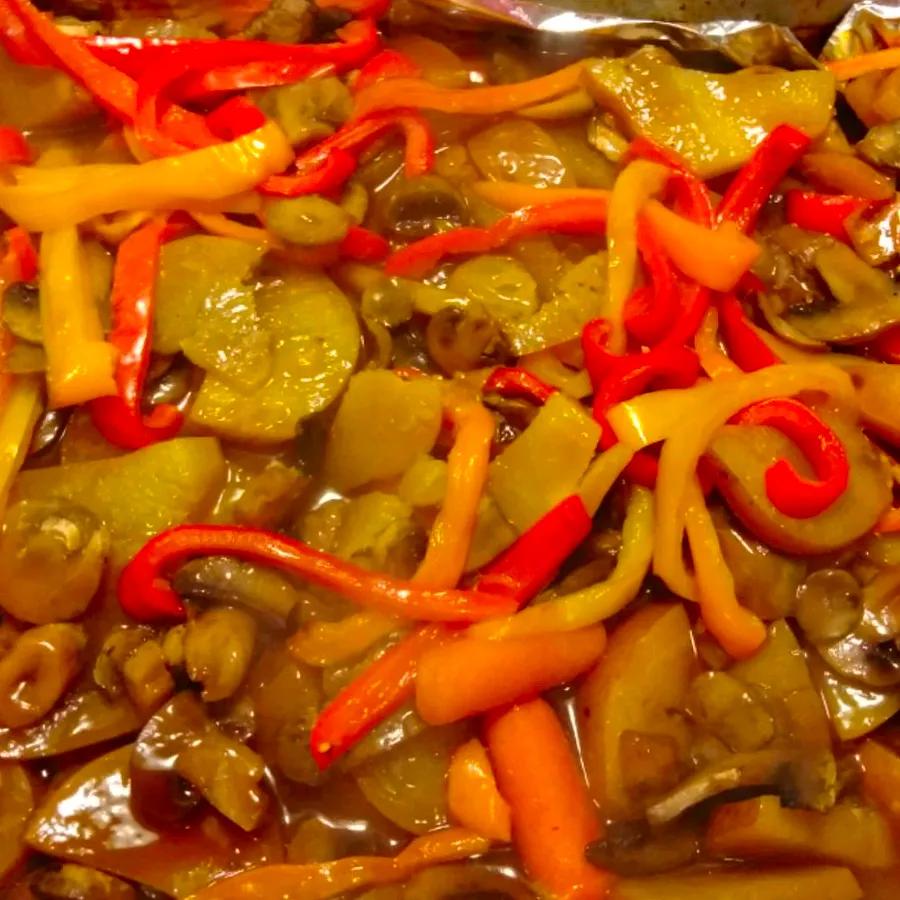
[
  {"x": 471, "y": 675},
  {"x": 416, "y": 93},
  {"x": 328, "y": 643},
  {"x": 602, "y": 474},
  {"x": 640, "y": 181},
  {"x": 473, "y": 797},
  {"x": 467, "y": 471},
  {"x": 592, "y": 604},
  {"x": 738, "y": 630},
  {"x": 44, "y": 199},
  {"x": 553, "y": 817},
  {"x": 319, "y": 881},
  {"x": 79, "y": 362},
  {"x": 854, "y": 66},
  {"x": 19, "y": 411},
  {"x": 881, "y": 778},
  {"x": 510, "y": 195},
  {"x": 690, "y": 432},
  {"x": 715, "y": 258},
  {"x": 713, "y": 360}
]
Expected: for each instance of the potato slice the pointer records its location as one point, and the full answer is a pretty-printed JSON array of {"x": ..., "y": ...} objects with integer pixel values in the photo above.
[
  {"x": 638, "y": 683},
  {"x": 761, "y": 828},
  {"x": 807, "y": 883}
]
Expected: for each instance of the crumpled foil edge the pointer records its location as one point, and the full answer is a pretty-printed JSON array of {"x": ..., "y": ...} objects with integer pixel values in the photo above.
[{"x": 742, "y": 42}]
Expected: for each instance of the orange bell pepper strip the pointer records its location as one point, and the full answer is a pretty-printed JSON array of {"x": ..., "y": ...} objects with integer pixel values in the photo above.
[
  {"x": 318, "y": 881},
  {"x": 416, "y": 93},
  {"x": 467, "y": 471},
  {"x": 510, "y": 195},
  {"x": 854, "y": 66},
  {"x": 715, "y": 258},
  {"x": 474, "y": 675},
  {"x": 739, "y": 631},
  {"x": 473, "y": 797},
  {"x": 639, "y": 181},
  {"x": 881, "y": 778},
  {"x": 553, "y": 819},
  {"x": 79, "y": 362},
  {"x": 327, "y": 643}
]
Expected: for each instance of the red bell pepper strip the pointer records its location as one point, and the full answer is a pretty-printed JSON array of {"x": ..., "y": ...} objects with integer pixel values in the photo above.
[
  {"x": 528, "y": 566},
  {"x": 692, "y": 198},
  {"x": 329, "y": 176},
  {"x": 652, "y": 309},
  {"x": 513, "y": 382},
  {"x": 790, "y": 492},
  {"x": 332, "y": 161},
  {"x": 15, "y": 40},
  {"x": 825, "y": 213},
  {"x": 570, "y": 216},
  {"x": 386, "y": 64},
  {"x": 744, "y": 345},
  {"x": 120, "y": 419},
  {"x": 146, "y": 595},
  {"x": 20, "y": 259},
  {"x": 14, "y": 149},
  {"x": 363, "y": 245},
  {"x": 370, "y": 697},
  {"x": 887, "y": 345},
  {"x": 234, "y": 118},
  {"x": 517, "y": 575},
  {"x": 202, "y": 87},
  {"x": 751, "y": 188},
  {"x": 183, "y": 56},
  {"x": 362, "y": 9}
]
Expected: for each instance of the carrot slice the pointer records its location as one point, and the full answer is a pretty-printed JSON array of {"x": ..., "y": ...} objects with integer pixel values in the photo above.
[
  {"x": 553, "y": 819},
  {"x": 474, "y": 675}
]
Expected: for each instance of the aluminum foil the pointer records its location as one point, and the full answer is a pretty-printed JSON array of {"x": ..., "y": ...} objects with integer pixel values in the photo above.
[
  {"x": 868, "y": 25},
  {"x": 746, "y": 32}
]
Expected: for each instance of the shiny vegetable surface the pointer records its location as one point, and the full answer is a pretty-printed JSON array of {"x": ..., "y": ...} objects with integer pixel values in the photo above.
[{"x": 436, "y": 462}]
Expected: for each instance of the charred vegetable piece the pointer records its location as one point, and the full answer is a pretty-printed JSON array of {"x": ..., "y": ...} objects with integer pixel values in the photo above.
[
  {"x": 743, "y": 454},
  {"x": 713, "y": 121},
  {"x": 639, "y": 683}
]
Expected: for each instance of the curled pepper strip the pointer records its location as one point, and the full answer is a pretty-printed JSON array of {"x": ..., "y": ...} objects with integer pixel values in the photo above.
[
  {"x": 513, "y": 382},
  {"x": 326, "y": 166},
  {"x": 146, "y": 595},
  {"x": 652, "y": 309},
  {"x": 569, "y": 216},
  {"x": 751, "y": 188},
  {"x": 825, "y": 213},
  {"x": 20, "y": 259},
  {"x": 120, "y": 419},
  {"x": 790, "y": 492},
  {"x": 386, "y": 64}
]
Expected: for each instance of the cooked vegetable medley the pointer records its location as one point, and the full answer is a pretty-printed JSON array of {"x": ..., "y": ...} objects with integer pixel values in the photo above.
[{"x": 434, "y": 464}]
